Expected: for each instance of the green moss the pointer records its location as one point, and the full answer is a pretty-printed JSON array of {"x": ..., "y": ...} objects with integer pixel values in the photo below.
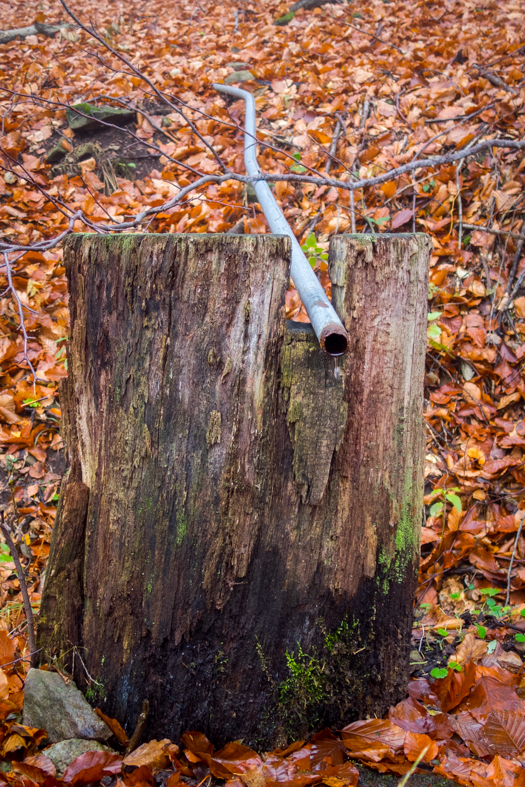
[
  {"x": 221, "y": 661},
  {"x": 182, "y": 527},
  {"x": 325, "y": 684},
  {"x": 285, "y": 19}
]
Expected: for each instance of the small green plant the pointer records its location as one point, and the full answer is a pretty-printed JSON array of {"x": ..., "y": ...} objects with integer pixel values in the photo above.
[
  {"x": 61, "y": 352},
  {"x": 379, "y": 222},
  {"x": 456, "y": 666},
  {"x": 494, "y": 608},
  {"x": 341, "y": 633},
  {"x": 443, "y": 632},
  {"x": 434, "y": 331},
  {"x": 5, "y": 555},
  {"x": 448, "y": 496},
  {"x": 482, "y": 632},
  {"x": 520, "y": 637},
  {"x": 313, "y": 251},
  {"x": 439, "y": 672},
  {"x": 221, "y": 660},
  {"x": 31, "y": 402},
  {"x": 298, "y": 168}
]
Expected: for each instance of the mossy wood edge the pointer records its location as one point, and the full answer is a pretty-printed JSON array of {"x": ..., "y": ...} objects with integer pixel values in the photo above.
[{"x": 238, "y": 531}]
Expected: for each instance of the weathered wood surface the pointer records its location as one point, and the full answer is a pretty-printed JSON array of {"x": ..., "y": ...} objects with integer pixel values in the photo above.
[{"x": 248, "y": 497}]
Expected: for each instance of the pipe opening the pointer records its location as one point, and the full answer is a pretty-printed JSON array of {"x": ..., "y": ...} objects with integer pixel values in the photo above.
[{"x": 335, "y": 344}]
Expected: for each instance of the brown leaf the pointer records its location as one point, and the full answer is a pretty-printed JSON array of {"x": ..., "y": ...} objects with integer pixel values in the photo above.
[
  {"x": 402, "y": 217},
  {"x": 92, "y": 767},
  {"x": 7, "y": 648},
  {"x": 42, "y": 762},
  {"x": 503, "y": 773},
  {"x": 32, "y": 772},
  {"x": 114, "y": 726},
  {"x": 504, "y": 732},
  {"x": 412, "y": 716},
  {"x": 234, "y": 758},
  {"x": 345, "y": 775},
  {"x": 470, "y": 730},
  {"x": 471, "y": 649},
  {"x": 155, "y": 755},
  {"x": 327, "y": 747},
  {"x": 373, "y": 739},
  {"x": 420, "y": 747},
  {"x": 197, "y": 743},
  {"x": 455, "y": 687},
  {"x": 11, "y": 743},
  {"x": 140, "y": 777}
]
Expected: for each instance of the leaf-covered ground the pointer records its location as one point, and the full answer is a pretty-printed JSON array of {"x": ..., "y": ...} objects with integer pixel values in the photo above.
[{"x": 378, "y": 84}]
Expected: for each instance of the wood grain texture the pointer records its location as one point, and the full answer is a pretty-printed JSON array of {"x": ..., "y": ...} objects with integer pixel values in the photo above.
[{"x": 250, "y": 503}]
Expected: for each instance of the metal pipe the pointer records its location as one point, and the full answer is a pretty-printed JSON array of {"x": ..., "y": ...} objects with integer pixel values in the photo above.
[{"x": 329, "y": 329}]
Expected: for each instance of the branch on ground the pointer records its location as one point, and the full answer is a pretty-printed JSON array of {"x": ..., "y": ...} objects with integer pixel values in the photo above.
[{"x": 35, "y": 29}]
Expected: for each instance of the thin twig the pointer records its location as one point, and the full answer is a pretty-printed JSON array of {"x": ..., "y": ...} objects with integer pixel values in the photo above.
[
  {"x": 518, "y": 534},
  {"x": 506, "y": 233},
  {"x": 517, "y": 258},
  {"x": 460, "y": 203},
  {"x": 371, "y": 35},
  {"x": 139, "y": 729},
  {"x": 23, "y": 588},
  {"x": 22, "y": 658},
  {"x": 413, "y": 768}
]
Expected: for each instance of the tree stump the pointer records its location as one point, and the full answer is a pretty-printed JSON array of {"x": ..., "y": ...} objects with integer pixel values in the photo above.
[{"x": 237, "y": 537}]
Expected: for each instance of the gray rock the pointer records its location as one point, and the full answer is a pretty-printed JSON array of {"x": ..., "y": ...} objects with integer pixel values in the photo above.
[
  {"x": 109, "y": 114},
  {"x": 57, "y": 153},
  {"x": 60, "y": 709},
  {"x": 239, "y": 76},
  {"x": 239, "y": 66},
  {"x": 62, "y": 754}
]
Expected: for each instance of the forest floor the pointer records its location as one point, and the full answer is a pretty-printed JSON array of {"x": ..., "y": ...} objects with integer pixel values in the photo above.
[{"x": 375, "y": 83}]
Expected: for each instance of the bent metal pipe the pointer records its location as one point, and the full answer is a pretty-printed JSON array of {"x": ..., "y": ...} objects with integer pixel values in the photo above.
[{"x": 328, "y": 328}]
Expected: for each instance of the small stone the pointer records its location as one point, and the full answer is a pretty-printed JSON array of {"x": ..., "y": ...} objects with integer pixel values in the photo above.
[
  {"x": 59, "y": 152},
  {"x": 62, "y": 754},
  {"x": 60, "y": 709},
  {"x": 166, "y": 122},
  {"x": 109, "y": 114},
  {"x": 9, "y": 178},
  {"x": 239, "y": 66},
  {"x": 239, "y": 76}
]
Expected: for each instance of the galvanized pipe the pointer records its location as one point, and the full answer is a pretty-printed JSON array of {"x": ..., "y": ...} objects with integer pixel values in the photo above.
[{"x": 329, "y": 329}]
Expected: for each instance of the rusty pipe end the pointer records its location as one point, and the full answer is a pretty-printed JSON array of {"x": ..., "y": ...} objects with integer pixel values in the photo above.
[{"x": 334, "y": 340}]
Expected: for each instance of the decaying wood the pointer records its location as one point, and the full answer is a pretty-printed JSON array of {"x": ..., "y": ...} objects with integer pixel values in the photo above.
[
  {"x": 251, "y": 534},
  {"x": 32, "y": 30}
]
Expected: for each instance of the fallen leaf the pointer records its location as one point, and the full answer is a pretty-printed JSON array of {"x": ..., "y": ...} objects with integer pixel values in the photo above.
[
  {"x": 155, "y": 755},
  {"x": 471, "y": 649},
  {"x": 504, "y": 732},
  {"x": 373, "y": 739},
  {"x": 92, "y": 767},
  {"x": 114, "y": 726},
  {"x": 402, "y": 217}
]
